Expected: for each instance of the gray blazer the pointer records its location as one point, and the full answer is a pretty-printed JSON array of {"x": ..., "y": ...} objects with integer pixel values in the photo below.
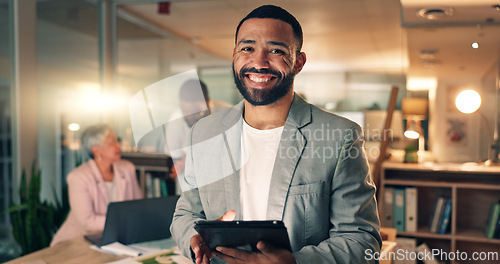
[{"x": 320, "y": 188}]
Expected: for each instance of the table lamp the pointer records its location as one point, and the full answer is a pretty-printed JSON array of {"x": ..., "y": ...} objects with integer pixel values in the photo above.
[
  {"x": 468, "y": 102},
  {"x": 415, "y": 110}
]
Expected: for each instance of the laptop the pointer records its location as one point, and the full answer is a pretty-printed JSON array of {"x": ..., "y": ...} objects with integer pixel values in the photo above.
[{"x": 137, "y": 221}]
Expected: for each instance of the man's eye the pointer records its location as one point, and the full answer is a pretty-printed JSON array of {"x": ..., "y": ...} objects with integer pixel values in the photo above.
[
  {"x": 246, "y": 49},
  {"x": 277, "y": 51}
]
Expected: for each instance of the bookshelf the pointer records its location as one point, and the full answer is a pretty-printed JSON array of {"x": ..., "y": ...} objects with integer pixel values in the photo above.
[
  {"x": 149, "y": 167},
  {"x": 470, "y": 187}
]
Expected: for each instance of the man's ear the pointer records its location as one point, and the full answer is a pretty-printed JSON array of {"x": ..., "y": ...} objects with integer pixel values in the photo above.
[{"x": 299, "y": 62}]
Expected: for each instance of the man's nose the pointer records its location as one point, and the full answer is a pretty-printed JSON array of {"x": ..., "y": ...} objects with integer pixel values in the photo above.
[{"x": 260, "y": 60}]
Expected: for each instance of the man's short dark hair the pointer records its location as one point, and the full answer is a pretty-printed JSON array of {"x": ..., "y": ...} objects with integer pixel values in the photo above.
[{"x": 275, "y": 12}]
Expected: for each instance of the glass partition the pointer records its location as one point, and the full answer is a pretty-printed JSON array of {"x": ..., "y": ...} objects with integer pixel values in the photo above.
[
  {"x": 149, "y": 52},
  {"x": 68, "y": 84},
  {"x": 5, "y": 112}
]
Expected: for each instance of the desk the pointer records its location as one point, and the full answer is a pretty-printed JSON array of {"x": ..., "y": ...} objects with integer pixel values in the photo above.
[{"x": 69, "y": 252}]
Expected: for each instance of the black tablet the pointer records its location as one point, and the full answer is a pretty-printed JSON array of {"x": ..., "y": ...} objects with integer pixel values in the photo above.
[{"x": 243, "y": 234}]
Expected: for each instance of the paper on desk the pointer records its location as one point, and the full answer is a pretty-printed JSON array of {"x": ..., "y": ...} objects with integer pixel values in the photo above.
[
  {"x": 121, "y": 249},
  {"x": 164, "y": 256},
  {"x": 167, "y": 256}
]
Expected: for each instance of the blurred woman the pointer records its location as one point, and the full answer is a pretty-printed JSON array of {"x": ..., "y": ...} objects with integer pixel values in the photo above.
[{"x": 93, "y": 185}]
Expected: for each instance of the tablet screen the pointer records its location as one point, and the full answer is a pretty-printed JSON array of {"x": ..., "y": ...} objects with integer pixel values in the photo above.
[{"x": 243, "y": 234}]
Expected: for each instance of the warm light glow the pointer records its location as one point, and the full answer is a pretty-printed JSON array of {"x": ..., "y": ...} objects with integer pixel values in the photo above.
[
  {"x": 414, "y": 107},
  {"x": 468, "y": 101},
  {"x": 421, "y": 84},
  {"x": 411, "y": 134},
  {"x": 475, "y": 45},
  {"x": 73, "y": 127}
]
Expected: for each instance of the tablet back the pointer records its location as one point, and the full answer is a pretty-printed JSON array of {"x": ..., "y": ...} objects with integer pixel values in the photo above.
[
  {"x": 243, "y": 234},
  {"x": 137, "y": 221}
]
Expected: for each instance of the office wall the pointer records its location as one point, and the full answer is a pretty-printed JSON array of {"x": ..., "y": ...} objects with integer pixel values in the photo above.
[{"x": 455, "y": 136}]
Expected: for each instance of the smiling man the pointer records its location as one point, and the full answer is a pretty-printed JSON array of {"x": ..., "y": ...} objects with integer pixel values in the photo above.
[{"x": 276, "y": 157}]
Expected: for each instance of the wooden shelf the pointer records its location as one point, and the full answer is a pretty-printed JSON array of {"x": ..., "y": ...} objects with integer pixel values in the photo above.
[
  {"x": 475, "y": 236},
  {"x": 471, "y": 187},
  {"x": 147, "y": 163},
  {"x": 462, "y": 185},
  {"x": 425, "y": 234}
]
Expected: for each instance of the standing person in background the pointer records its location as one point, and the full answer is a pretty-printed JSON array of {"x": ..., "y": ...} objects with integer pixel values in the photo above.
[
  {"x": 276, "y": 157},
  {"x": 104, "y": 178},
  {"x": 194, "y": 105}
]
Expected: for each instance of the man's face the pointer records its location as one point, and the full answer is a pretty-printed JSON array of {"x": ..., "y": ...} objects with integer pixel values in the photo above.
[
  {"x": 194, "y": 111},
  {"x": 265, "y": 60}
]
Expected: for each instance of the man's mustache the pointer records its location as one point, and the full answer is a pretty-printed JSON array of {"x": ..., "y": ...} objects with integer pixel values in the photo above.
[{"x": 262, "y": 71}]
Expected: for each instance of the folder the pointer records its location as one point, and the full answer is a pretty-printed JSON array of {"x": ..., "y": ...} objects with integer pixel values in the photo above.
[
  {"x": 399, "y": 209},
  {"x": 411, "y": 209},
  {"x": 438, "y": 215},
  {"x": 445, "y": 223},
  {"x": 493, "y": 218},
  {"x": 388, "y": 215}
]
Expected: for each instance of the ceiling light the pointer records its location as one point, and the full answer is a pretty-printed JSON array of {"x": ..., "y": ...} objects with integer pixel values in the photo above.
[
  {"x": 434, "y": 13},
  {"x": 73, "y": 127},
  {"x": 468, "y": 101},
  {"x": 428, "y": 54}
]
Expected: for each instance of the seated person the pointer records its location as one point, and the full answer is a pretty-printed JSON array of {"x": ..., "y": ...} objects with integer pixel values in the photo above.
[
  {"x": 104, "y": 178},
  {"x": 195, "y": 104}
]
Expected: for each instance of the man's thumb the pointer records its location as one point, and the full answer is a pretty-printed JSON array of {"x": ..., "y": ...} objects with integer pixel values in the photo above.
[{"x": 228, "y": 216}]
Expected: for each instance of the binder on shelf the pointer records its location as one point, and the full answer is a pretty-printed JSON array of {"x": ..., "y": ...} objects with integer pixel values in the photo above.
[
  {"x": 411, "y": 209},
  {"x": 438, "y": 215},
  {"x": 445, "y": 222},
  {"x": 149, "y": 186},
  {"x": 493, "y": 219},
  {"x": 399, "y": 209},
  {"x": 157, "y": 186},
  {"x": 497, "y": 233},
  {"x": 388, "y": 217},
  {"x": 164, "y": 188}
]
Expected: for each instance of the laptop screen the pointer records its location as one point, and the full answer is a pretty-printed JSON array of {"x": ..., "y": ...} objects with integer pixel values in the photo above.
[{"x": 137, "y": 221}]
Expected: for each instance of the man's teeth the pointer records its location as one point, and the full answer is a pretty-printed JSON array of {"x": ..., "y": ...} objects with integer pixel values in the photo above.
[{"x": 259, "y": 80}]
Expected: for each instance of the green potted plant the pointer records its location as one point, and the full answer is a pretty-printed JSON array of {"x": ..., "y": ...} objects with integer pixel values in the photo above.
[
  {"x": 33, "y": 221},
  {"x": 411, "y": 154}
]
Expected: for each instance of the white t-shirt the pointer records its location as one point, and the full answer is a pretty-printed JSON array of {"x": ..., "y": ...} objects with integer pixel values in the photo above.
[{"x": 258, "y": 153}]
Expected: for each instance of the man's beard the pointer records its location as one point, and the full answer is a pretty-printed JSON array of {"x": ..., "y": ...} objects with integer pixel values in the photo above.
[{"x": 263, "y": 96}]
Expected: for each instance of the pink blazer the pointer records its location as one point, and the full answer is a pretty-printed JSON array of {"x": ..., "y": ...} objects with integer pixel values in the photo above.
[{"x": 89, "y": 201}]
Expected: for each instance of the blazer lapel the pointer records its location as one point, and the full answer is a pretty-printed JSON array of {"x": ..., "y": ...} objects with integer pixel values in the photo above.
[
  {"x": 99, "y": 181},
  {"x": 232, "y": 140},
  {"x": 290, "y": 150},
  {"x": 120, "y": 181}
]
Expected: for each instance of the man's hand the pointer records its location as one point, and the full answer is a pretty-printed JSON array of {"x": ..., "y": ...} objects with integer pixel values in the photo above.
[
  {"x": 202, "y": 253},
  {"x": 268, "y": 255}
]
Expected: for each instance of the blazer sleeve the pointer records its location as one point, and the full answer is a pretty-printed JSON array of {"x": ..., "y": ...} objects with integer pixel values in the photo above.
[
  {"x": 189, "y": 208},
  {"x": 82, "y": 191},
  {"x": 354, "y": 217}
]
